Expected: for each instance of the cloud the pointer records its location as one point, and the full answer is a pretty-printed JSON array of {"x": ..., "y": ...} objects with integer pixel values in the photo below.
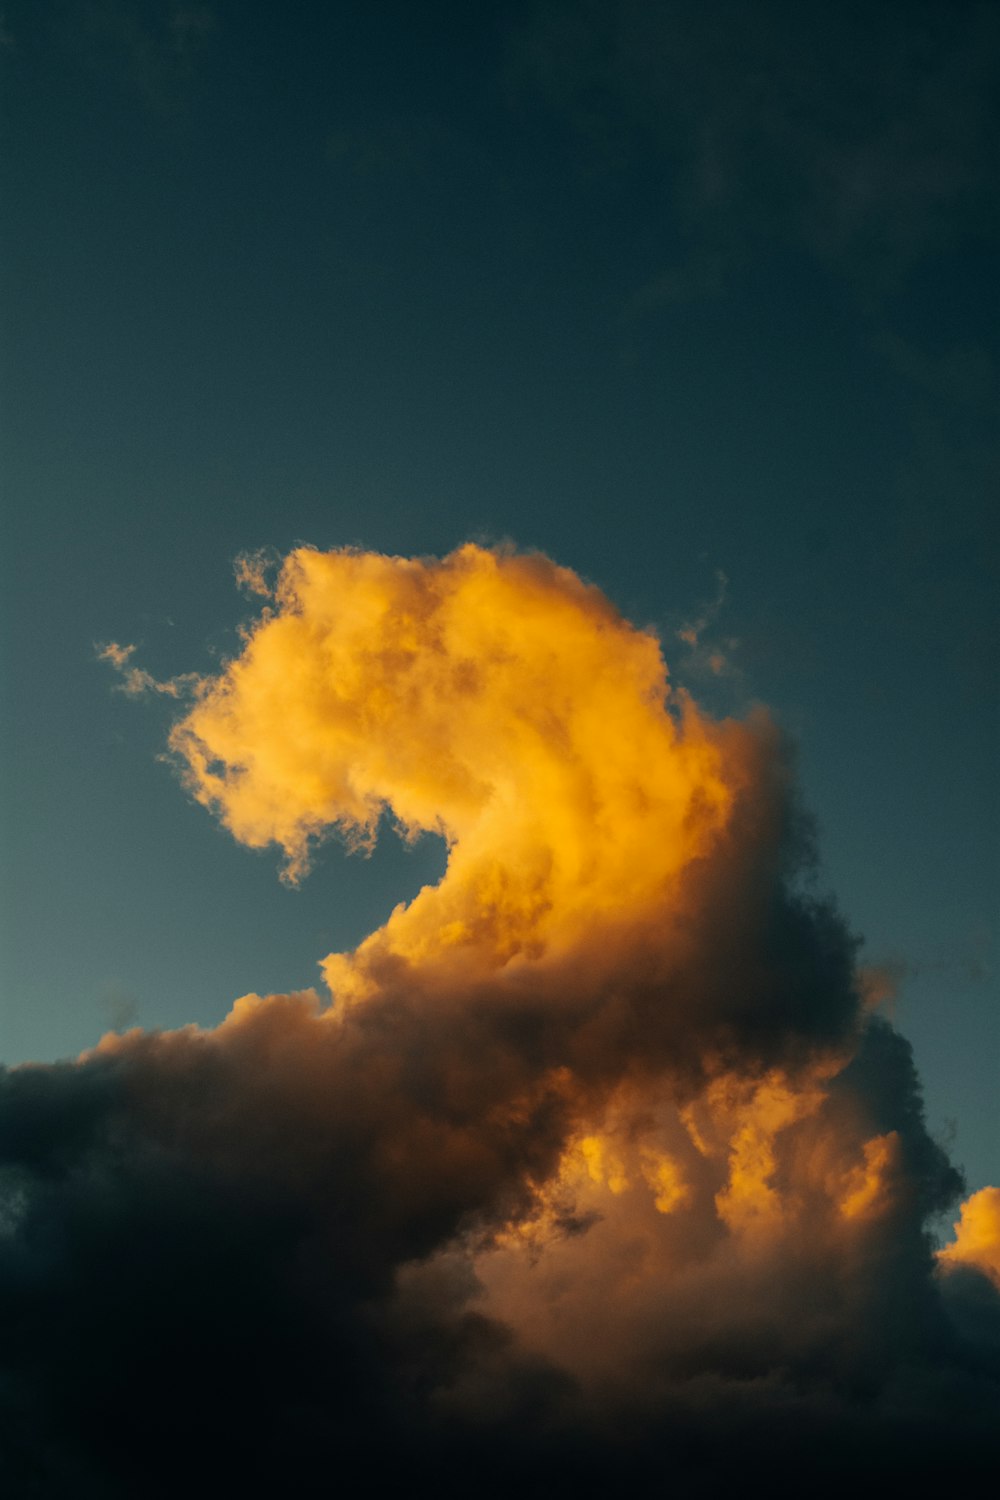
[
  {"x": 251, "y": 570},
  {"x": 707, "y": 656},
  {"x": 861, "y": 134},
  {"x": 154, "y": 51},
  {"x": 977, "y": 1236},
  {"x": 693, "y": 630},
  {"x": 593, "y": 1165},
  {"x": 137, "y": 681}
]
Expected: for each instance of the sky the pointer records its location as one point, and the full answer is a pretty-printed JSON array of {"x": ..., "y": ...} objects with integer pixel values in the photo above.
[{"x": 699, "y": 301}]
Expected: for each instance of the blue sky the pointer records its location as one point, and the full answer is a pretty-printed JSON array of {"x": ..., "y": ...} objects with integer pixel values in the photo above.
[{"x": 668, "y": 293}]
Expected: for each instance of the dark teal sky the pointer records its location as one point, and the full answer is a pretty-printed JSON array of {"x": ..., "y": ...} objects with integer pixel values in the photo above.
[{"x": 666, "y": 291}]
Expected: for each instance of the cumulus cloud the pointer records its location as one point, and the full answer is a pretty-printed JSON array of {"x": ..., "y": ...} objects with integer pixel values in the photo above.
[
  {"x": 977, "y": 1235},
  {"x": 592, "y": 1164}
]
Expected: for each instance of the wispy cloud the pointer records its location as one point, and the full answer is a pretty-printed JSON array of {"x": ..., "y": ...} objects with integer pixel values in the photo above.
[
  {"x": 707, "y": 653},
  {"x": 153, "y": 50},
  {"x": 136, "y": 681},
  {"x": 863, "y": 134}
]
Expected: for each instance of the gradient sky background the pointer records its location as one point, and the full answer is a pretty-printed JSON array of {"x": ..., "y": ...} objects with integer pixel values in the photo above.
[{"x": 667, "y": 291}]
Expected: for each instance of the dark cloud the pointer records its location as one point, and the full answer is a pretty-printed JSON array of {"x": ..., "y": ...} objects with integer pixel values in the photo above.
[
  {"x": 866, "y": 134},
  {"x": 198, "y": 1290},
  {"x": 248, "y": 1258}
]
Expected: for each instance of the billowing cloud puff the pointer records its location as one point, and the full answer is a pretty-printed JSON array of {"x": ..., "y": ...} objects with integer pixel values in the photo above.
[
  {"x": 594, "y": 1167},
  {"x": 496, "y": 699},
  {"x": 977, "y": 1235}
]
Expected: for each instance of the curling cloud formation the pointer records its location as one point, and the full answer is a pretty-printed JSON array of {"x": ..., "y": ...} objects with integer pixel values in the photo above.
[{"x": 594, "y": 1165}]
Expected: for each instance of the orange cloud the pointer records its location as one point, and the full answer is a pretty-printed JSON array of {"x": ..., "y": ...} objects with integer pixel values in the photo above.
[
  {"x": 866, "y": 1186},
  {"x": 492, "y": 698},
  {"x": 977, "y": 1235}
]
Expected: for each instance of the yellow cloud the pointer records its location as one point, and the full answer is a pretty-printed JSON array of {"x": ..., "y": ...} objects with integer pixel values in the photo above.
[
  {"x": 490, "y": 697},
  {"x": 977, "y": 1235}
]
